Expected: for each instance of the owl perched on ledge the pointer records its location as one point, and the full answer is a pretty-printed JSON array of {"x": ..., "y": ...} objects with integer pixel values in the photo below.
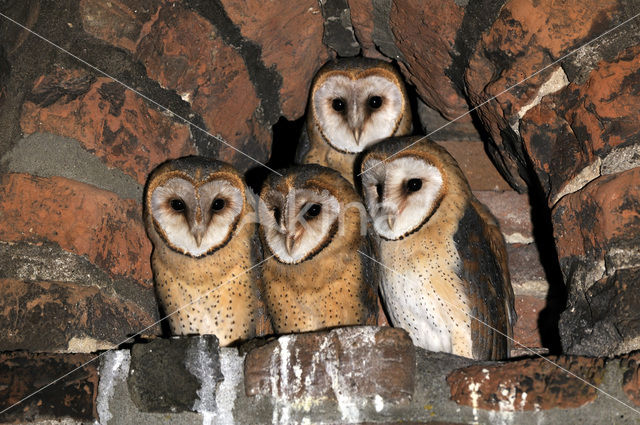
[
  {"x": 444, "y": 257},
  {"x": 313, "y": 223},
  {"x": 205, "y": 247},
  {"x": 354, "y": 102}
]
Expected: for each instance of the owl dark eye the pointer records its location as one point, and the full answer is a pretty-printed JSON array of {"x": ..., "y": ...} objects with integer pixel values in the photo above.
[
  {"x": 338, "y": 104},
  {"x": 177, "y": 205},
  {"x": 218, "y": 204},
  {"x": 414, "y": 185},
  {"x": 276, "y": 214},
  {"x": 313, "y": 211},
  {"x": 375, "y": 102}
]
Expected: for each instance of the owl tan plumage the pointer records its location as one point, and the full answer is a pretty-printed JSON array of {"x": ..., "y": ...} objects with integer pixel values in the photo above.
[
  {"x": 312, "y": 221},
  {"x": 443, "y": 252},
  {"x": 354, "y": 103},
  {"x": 198, "y": 216}
]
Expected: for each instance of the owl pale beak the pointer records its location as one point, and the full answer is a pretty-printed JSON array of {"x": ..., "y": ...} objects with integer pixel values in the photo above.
[
  {"x": 289, "y": 242},
  {"x": 391, "y": 220},
  {"x": 357, "y": 132},
  {"x": 291, "y": 239},
  {"x": 198, "y": 234}
]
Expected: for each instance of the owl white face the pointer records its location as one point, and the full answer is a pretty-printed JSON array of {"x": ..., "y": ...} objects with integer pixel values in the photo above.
[
  {"x": 400, "y": 194},
  {"x": 353, "y": 114},
  {"x": 196, "y": 219},
  {"x": 299, "y": 224}
]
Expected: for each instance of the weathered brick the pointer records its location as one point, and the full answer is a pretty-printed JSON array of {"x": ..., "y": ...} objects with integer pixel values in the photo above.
[
  {"x": 116, "y": 22},
  {"x": 80, "y": 218},
  {"x": 110, "y": 121},
  {"x": 476, "y": 165},
  {"x": 55, "y": 316},
  {"x": 184, "y": 52},
  {"x": 356, "y": 362},
  {"x": 73, "y": 397},
  {"x": 528, "y": 385}
]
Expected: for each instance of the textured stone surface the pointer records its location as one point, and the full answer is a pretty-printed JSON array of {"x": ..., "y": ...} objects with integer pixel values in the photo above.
[
  {"x": 524, "y": 39},
  {"x": 184, "y": 52},
  {"x": 353, "y": 362},
  {"x": 606, "y": 321},
  {"x": 439, "y": 128},
  {"x": 510, "y": 208},
  {"x": 526, "y": 330},
  {"x": 631, "y": 377},
  {"x": 362, "y": 18},
  {"x": 578, "y": 133},
  {"x": 290, "y": 40},
  {"x": 53, "y": 316},
  {"x": 47, "y": 155},
  {"x": 477, "y": 168},
  {"x": 338, "y": 30},
  {"x": 167, "y": 375},
  {"x": 117, "y": 22},
  {"x": 597, "y": 232},
  {"x": 80, "y": 218},
  {"x": 598, "y": 228},
  {"x": 113, "y": 123},
  {"x": 73, "y": 397},
  {"x": 527, "y": 273},
  {"x": 531, "y": 384},
  {"x": 425, "y": 34}
]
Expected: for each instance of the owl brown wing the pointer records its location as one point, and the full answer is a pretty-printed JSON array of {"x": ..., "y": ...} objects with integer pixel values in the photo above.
[
  {"x": 484, "y": 268},
  {"x": 371, "y": 275},
  {"x": 263, "y": 323}
]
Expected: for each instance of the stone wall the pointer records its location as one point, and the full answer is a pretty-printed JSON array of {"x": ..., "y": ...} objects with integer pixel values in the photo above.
[{"x": 555, "y": 158}]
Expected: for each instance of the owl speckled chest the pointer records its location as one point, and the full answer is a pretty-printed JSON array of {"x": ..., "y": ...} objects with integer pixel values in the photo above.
[
  {"x": 446, "y": 279},
  {"x": 198, "y": 215},
  {"x": 214, "y": 294},
  {"x": 316, "y": 278},
  {"x": 427, "y": 296}
]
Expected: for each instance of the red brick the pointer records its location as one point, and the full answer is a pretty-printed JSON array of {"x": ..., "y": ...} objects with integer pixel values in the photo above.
[
  {"x": 362, "y": 21},
  {"x": 80, "y": 218},
  {"x": 426, "y": 50},
  {"x": 600, "y": 216},
  {"x": 116, "y": 22},
  {"x": 528, "y": 385},
  {"x": 526, "y": 330},
  {"x": 290, "y": 39},
  {"x": 476, "y": 165},
  {"x": 575, "y": 127},
  {"x": 525, "y": 38},
  {"x": 110, "y": 121},
  {"x": 73, "y": 397},
  {"x": 184, "y": 52},
  {"x": 46, "y": 316},
  {"x": 512, "y": 211}
]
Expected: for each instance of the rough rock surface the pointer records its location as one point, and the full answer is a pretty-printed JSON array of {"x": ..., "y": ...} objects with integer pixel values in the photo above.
[
  {"x": 366, "y": 362},
  {"x": 168, "y": 375},
  {"x": 73, "y": 397},
  {"x": 532, "y": 384}
]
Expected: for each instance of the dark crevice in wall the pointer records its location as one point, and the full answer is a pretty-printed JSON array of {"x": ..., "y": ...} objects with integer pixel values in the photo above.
[
  {"x": 549, "y": 317},
  {"x": 286, "y": 135}
]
